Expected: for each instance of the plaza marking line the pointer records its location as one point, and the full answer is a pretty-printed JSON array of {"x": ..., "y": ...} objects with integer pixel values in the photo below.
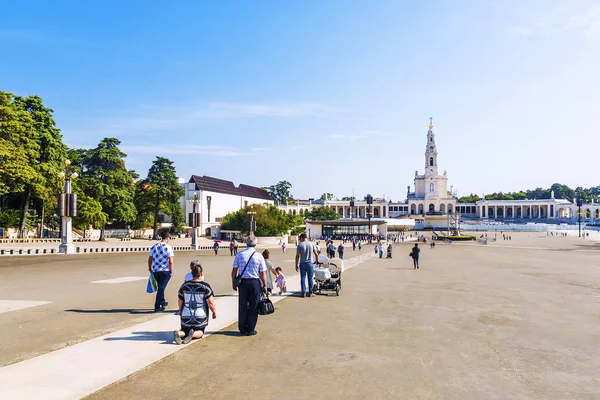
[
  {"x": 123, "y": 279},
  {"x": 13, "y": 305},
  {"x": 84, "y": 368}
]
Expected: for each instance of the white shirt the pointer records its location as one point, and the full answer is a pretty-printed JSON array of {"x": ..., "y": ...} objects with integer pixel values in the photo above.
[{"x": 256, "y": 265}]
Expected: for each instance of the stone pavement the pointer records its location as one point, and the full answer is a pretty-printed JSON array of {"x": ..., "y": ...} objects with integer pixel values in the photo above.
[
  {"x": 511, "y": 320},
  {"x": 475, "y": 322}
]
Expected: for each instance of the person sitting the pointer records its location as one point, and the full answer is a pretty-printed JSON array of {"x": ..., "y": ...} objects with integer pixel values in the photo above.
[{"x": 196, "y": 297}]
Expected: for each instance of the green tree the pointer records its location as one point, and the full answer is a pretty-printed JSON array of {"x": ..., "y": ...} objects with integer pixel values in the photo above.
[
  {"x": 472, "y": 198},
  {"x": 280, "y": 193},
  {"x": 50, "y": 159},
  {"x": 321, "y": 214},
  {"x": 326, "y": 196},
  {"x": 270, "y": 221},
  {"x": 105, "y": 178},
  {"x": 346, "y": 198},
  {"x": 17, "y": 147},
  {"x": 162, "y": 187},
  {"x": 89, "y": 213}
]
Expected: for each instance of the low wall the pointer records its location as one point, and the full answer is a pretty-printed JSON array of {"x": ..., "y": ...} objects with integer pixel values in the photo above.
[{"x": 272, "y": 240}]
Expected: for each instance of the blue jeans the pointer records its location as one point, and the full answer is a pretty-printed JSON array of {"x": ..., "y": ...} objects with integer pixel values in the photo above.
[
  {"x": 416, "y": 262},
  {"x": 162, "y": 278},
  {"x": 307, "y": 270}
]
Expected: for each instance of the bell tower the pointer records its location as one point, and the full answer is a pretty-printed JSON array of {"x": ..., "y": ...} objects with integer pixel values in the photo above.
[{"x": 431, "y": 165}]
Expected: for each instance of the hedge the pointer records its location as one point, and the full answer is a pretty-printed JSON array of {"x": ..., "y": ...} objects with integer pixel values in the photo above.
[{"x": 457, "y": 238}]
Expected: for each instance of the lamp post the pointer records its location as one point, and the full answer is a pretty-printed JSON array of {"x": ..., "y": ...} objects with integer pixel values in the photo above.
[
  {"x": 369, "y": 202},
  {"x": 194, "y": 201},
  {"x": 67, "y": 208},
  {"x": 579, "y": 204},
  {"x": 252, "y": 222}
]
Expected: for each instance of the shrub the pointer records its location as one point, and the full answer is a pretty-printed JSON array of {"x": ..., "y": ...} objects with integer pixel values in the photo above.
[{"x": 457, "y": 238}]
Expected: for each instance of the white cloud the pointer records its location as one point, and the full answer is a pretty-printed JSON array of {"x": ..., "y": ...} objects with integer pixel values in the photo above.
[
  {"x": 584, "y": 21},
  {"x": 363, "y": 135},
  {"x": 219, "y": 151},
  {"x": 153, "y": 118},
  {"x": 259, "y": 149}
]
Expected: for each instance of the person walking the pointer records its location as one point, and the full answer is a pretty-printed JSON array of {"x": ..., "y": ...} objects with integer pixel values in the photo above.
[
  {"x": 415, "y": 256},
  {"x": 216, "y": 247},
  {"x": 252, "y": 268},
  {"x": 231, "y": 248},
  {"x": 235, "y": 247},
  {"x": 196, "y": 297},
  {"x": 380, "y": 249},
  {"x": 304, "y": 263},
  {"x": 283, "y": 246},
  {"x": 270, "y": 270},
  {"x": 340, "y": 250},
  {"x": 160, "y": 263}
]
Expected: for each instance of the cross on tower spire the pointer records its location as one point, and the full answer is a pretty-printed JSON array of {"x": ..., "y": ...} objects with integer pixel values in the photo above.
[{"x": 430, "y": 122}]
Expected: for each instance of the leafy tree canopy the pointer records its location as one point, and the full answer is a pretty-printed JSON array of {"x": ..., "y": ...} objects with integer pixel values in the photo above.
[
  {"x": 280, "y": 192},
  {"x": 321, "y": 214},
  {"x": 326, "y": 196},
  {"x": 270, "y": 221}
]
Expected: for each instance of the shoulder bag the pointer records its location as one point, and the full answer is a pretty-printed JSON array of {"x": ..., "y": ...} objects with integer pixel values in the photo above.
[{"x": 237, "y": 281}]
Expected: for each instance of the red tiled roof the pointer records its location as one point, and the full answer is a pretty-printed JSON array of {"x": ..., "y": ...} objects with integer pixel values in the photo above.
[{"x": 227, "y": 187}]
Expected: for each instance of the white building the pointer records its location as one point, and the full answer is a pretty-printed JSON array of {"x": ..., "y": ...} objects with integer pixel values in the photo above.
[
  {"x": 431, "y": 193},
  {"x": 217, "y": 197}
]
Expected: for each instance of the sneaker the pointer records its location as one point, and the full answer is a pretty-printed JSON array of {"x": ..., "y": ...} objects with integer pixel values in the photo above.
[
  {"x": 251, "y": 333},
  {"x": 176, "y": 337},
  {"x": 312, "y": 295},
  {"x": 189, "y": 337},
  {"x": 303, "y": 294}
]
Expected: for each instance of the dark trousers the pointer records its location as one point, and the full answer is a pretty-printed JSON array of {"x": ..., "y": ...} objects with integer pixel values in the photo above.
[
  {"x": 162, "y": 278},
  {"x": 249, "y": 296}
]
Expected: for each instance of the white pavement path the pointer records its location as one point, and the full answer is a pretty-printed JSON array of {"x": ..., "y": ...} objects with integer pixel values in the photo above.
[
  {"x": 79, "y": 370},
  {"x": 13, "y": 305}
]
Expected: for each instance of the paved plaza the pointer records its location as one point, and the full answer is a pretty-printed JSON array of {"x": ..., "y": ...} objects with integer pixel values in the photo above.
[{"x": 514, "y": 319}]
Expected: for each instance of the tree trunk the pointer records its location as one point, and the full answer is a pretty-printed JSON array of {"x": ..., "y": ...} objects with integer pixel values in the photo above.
[
  {"x": 42, "y": 219},
  {"x": 156, "y": 206},
  {"x": 25, "y": 211},
  {"x": 101, "y": 238}
]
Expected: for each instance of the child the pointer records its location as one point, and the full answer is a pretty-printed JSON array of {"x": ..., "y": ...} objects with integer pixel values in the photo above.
[{"x": 280, "y": 281}]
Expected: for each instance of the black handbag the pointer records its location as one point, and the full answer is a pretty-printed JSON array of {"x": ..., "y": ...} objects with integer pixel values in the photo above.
[
  {"x": 237, "y": 281},
  {"x": 265, "y": 306}
]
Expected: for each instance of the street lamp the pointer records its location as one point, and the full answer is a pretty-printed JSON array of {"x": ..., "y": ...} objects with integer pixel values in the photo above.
[
  {"x": 194, "y": 201},
  {"x": 369, "y": 202},
  {"x": 579, "y": 204},
  {"x": 252, "y": 222},
  {"x": 67, "y": 208}
]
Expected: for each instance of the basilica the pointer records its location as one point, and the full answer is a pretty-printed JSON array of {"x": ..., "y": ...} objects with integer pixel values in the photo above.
[{"x": 432, "y": 197}]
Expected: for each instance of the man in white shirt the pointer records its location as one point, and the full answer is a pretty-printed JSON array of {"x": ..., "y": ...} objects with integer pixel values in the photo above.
[{"x": 251, "y": 266}]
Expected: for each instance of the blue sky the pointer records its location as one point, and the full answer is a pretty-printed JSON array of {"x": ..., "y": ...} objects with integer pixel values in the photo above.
[{"x": 329, "y": 95}]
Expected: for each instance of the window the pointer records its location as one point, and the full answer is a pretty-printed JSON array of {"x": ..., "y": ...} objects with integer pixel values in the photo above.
[
  {"x": 245, "y": 203},
  {"x": 430, "y": 148},
  {"x": 431, "y": 187},
  {"x": 431, "y": 139},
  {"x": 431, "y": 161}
]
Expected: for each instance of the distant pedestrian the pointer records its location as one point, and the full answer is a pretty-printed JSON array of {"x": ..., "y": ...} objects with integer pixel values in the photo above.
[
  {"x": 359, "y": 246},
  {"x": 252, "y": 268},
  {"x": 380, "y": 249},
  {"x": 160, "y": 263},
  {"x": 341, "y": 251},
  {"x": 231, "y": 248},
  {"x": 415, "y": 256},
  {"x": 195, "y": 299},
  {"x": 216, "y": 247},
  {"x": 235, "y": 247},
  {"x": 283, "y": 247},
  {"x": 353, "y": 245}
]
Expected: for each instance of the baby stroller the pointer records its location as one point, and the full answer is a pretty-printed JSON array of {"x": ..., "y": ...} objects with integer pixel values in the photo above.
[{"x": 328, "y": 274}]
